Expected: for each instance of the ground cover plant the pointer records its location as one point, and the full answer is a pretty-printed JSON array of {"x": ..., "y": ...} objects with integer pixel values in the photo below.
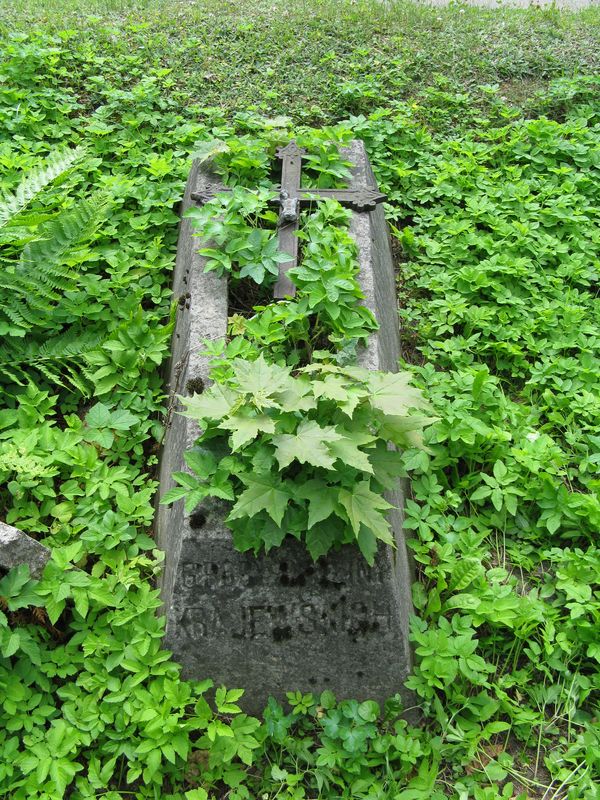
[{"x": 495, "y": 211}]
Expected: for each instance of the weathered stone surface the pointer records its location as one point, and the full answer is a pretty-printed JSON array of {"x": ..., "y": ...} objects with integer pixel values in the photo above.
[
  {"x": 17, "y": 548},
  {"x": 278, "y": 623}
]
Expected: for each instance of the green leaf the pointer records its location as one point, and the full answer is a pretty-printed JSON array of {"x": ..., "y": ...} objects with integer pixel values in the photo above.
[
  {"x": 348, "y": 453},
  {"x": 201, "y": 461},
  {"x": 226, "y": 701},
  {"x": 369, "y": 710},
  {"x": 481, "y": 493},
  {"x": 206, "y": 151},
  {"x": 264, "y": 493},
  {"x": 152, "y": 764},
  {"x": 12, "y": 584},
  {"x": 213, "y": 404},
  {"x": 60, "y": 235},
  {"x": 332, "y": 387},
  {"x": 254, "y": 270},
  {"x": 321, "y": 500},
  {"x": 122, "y": 420},
  {"x": 465, "y": 601},
  {"x": 319, "y": 540},
  {"x": 98, "y": 416},
  {"x": 393, "y": 394},
  {"x": 404, "y": 431},
  {"x": 203, "y": 711},
  {"x": 261, "y": 380},
  {"x": 36, "y": 180},
  {"x": 367, "y": 544},
  {"x": 11, "y": 645},
  {"x": 174, "y": 494},
  {"x": 297, "y": 396},
  {"x": 271, "y": 534},
  {"x": 388, "y": 464},
  {"x": 278, "y": 774},
  {"x": 62, "y": 771},
  {"x": 500, "y": 471},
  {"x": 309, "y": 445},
  {"x": 245, "y": 428},
  {"x": 464, "y": 573},
  {"x": 364, "y": 507},
  {"x": 196, "y": 794}
]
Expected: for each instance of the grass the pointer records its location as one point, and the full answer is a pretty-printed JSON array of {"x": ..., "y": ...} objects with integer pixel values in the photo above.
[{"x": 316, "y": 62}]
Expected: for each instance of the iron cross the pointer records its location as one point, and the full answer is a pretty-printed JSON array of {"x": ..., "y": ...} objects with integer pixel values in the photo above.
[{"x": 292, "y": 197}]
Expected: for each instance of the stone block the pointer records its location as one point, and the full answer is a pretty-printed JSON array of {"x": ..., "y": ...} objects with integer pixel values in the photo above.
[
  {"x": 279, "y": 622},
  {"x": 17, "y": 548}
]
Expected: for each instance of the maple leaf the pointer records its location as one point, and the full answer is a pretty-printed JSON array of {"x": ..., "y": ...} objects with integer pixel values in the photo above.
[
  {"x": 367, "y": 543},
  {"x": 201, "y": 461},
  {"x": 356, "y": 395},
  {"x": 246, "y": 534},
  {"x": 272, "y": 535},
  {"x": 333, "y": 387},
  {"x": 261, "y": 380},
  {"x": 364, "y": 507},
  {"x": 215, "y": 403},
  {"x": 346, "y": 449},
  {"x": 321, "y": 502},
  {"x": 297, "y": 396},
  {"x": 319, "y": 540},
  {"x": 309, "y": 445},
  {"x": 246, "y": 428},
  {"x": 263, "y": 493},
  {"x": 338, "y": 388},
  {"x": 389, "y": 465},
  {"x": 405, "y": 431},
  {"x": 392, "y": 393}
]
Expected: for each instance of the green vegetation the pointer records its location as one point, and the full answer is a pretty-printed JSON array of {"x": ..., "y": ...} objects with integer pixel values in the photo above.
[
  {"x": 298, "y": 443},
  {"x": 493, "y": 198},
  {"x": 310, "y": 450},
  {"x": 38, "y": 295}
]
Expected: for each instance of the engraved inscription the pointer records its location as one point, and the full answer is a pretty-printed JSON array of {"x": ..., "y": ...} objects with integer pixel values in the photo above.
[
  {"x": 210, "y": 576},
  {"x": 214, "y": 576},
  {"x": 283, "y": 621},
  {"x": 200, "y": 623},
  {"x": 288, "y": 620},
  {"x": 327, "y": 575}
]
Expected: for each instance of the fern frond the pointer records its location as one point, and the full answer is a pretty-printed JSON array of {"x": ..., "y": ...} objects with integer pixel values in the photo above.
[
  {"x": 72, "y": 343},
  {"x": 17, "y": 376},
  {"x": 28, "y": 285},
  {"x": 62, "y": 233},
  {"x": 63, "y": 347},
  {"x": 35, "y": 181},
  {"x": 31, "y": 289},
  {"x": 77, "y": 381},
  {"x": 52, "y": 376},
  {"x": 60, "y": 359}
]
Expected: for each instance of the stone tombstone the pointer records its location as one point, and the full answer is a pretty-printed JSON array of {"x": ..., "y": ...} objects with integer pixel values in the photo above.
[{"x": 279, "y": 622}]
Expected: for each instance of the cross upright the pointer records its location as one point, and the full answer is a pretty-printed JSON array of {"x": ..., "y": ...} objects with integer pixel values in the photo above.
[{"x": 292, "y": 197}]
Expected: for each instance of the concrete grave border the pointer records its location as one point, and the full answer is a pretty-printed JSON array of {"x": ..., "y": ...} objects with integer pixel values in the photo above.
[{"x": 205, "y": 580}]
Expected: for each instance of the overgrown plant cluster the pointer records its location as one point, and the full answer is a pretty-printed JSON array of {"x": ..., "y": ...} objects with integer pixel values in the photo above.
[
  {"x": 495, "y": 223},
  {"x": 298, "y": 437}
]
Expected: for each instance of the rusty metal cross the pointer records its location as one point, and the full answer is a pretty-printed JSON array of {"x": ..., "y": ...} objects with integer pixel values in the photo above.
[{"x": 292, "y": 197}]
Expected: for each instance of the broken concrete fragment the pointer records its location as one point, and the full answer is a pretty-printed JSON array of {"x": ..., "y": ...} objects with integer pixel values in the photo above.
[{"x": 17, "y": 548}]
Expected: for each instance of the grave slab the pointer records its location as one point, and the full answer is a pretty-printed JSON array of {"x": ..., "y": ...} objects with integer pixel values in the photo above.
[{"x": 279, "y": 622}]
